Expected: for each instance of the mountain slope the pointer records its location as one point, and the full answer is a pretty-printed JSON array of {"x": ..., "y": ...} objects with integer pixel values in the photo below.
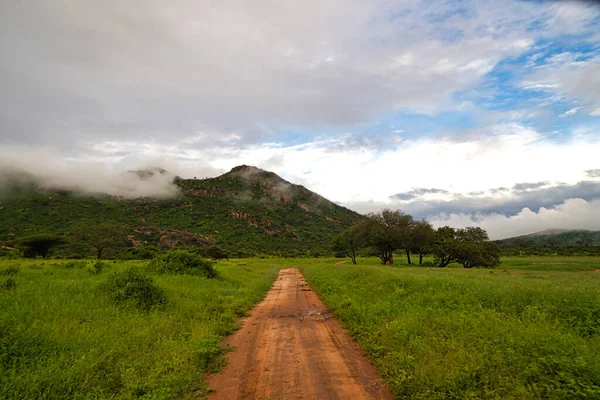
[
  {"x": 246, "y": 210},
  {"x": 556, "y": 237}
]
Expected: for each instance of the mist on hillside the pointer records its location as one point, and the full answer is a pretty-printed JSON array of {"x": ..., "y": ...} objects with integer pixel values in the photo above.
[{"x": 89, "y": 178}]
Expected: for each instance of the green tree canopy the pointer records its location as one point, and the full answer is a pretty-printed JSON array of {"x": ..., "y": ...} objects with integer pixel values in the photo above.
[
  {"x": 347, "y": 243},
  {"x": 38, "y": 245}
]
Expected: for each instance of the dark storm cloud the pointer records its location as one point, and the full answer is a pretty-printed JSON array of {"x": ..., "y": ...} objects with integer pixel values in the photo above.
[{"x": 534, "y": 199}]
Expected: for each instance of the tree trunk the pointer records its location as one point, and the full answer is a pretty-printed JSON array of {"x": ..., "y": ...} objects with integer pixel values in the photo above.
[
  {"x": 420, "y": 258},
  {"x": 389, "y": 259},
  {"x": 99, "y": 253},
  {"x": 408, "y": 256}
]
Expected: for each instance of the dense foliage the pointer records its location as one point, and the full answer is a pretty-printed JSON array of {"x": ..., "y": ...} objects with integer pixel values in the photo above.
[
  {"x": 134, "y": 286},
  {"x": 182, "y": 262},
  {"x": 553, "y": 242},
  {"x": 245, "y": 212},
  {"x": 389, "y": 231}
]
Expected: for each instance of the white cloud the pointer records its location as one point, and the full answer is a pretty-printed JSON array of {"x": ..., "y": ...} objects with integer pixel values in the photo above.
[
  {"x": 572, "y": 214},
  {"x": 570, "y": 112},
  {"x": 101, "y": 71}
]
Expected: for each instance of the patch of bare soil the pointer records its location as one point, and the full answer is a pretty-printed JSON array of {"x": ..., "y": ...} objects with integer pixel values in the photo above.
[{"x": 291, "y": 348}]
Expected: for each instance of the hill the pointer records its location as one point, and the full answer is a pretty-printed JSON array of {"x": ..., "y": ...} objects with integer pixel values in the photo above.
[
  {"x": 246, "y": 211},
  {"x": 553, "y": 241},
  {"x": 557, "y": 237}
]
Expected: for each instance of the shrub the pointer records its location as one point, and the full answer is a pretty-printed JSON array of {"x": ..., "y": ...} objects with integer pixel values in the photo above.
[
  {"x": 133, "y": 285},
  {"x": 182, "y": 262},
  {"x": 97, "y": 267},
  {"x": 8, "y": 284}
]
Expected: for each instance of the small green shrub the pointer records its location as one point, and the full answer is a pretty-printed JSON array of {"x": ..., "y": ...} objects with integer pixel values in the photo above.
[
  {"x": 8, "y": 284},
  {"x": 133, "y": 285},
  {"x": 209, "y": 354},
  {"x": 10, "y": 270},
  {"x": 97, "y": 267},
  {"x": 182, "y": 262}
]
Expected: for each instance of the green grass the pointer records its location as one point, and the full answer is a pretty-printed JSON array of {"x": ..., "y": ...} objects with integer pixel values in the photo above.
[
  {"x": 529, "y": 330},
  {"x": 62, "y": 337}
]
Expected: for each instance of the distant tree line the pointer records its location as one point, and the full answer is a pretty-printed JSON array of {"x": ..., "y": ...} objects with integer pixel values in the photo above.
[{"x": 388, "y": 232}]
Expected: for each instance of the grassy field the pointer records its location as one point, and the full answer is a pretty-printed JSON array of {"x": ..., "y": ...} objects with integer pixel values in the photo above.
[
  {"x": 528, "y": 330},
  {"x": 62, "y": 337}
]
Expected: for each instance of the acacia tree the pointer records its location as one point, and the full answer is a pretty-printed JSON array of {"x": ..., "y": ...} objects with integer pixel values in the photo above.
[
  {"x": 474, "y": 249},
  {"x": 385, "y": 231},
  {"x": 421, "y": 239},
  {"x": 444, "y": 246},
  {"x": 347, "y": 242},
  {"x": 38, "y": 245},
  {"x": 469, "y": 246},
  {"x": 101, "y": 237}
]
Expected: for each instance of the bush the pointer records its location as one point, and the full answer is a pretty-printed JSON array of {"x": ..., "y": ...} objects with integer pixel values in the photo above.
[
  {"x": 8, "y": 284},
  {"x": 133, "y": 285},
  {"x": 97, "y": 267},
  {"x": 182, "y": 262}
]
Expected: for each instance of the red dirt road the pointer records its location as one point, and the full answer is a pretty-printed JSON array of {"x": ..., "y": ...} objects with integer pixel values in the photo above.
[{"x": 290, "y": 348}]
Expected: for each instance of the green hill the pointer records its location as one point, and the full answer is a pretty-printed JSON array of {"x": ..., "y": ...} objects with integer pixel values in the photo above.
[
  {"x": 557, "y": 237},
  {"x": 246, "y": 211},
  {"x": 554, "y": 241}
]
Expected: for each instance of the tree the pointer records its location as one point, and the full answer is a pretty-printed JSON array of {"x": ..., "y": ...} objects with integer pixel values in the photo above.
[
  {"x": 347, "y": 243},
  {"x": 385, "y": 231},
  {"x": 217, "y": 253},
  {"x": 101, "y": 237},
  {"x": 469, "y": 246},
  {"x": 475, "y": 250},
  {"x": 444, "y": 246},
  {"x": 422, "y": 239},
  {"x": 38, "y": 245}
]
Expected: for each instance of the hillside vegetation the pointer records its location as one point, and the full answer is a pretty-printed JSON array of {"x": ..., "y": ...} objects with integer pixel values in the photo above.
[
  {"x": 246, "y": 211},
  {"x": 553, "y": 241}
]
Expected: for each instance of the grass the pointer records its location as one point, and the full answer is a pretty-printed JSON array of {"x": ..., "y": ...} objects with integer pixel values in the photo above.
[
  {"x": 529, "y": 330},
  {"x": 63, "y": 337}
]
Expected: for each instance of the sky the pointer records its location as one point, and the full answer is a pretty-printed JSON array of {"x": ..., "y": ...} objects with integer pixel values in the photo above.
[{"x": 463, "y": 112}]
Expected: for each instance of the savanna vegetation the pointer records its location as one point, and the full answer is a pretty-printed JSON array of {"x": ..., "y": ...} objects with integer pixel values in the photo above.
[
  {"x": 389, "y": 231},
  {"x": 124, "y": 330},
  {"x": 150, "y": 329},
  {"x": 246, "y": 212},
  {"x": 529, "y": 330}
]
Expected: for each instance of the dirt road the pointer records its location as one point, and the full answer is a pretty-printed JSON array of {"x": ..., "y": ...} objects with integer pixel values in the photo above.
[{"x": 290, "y": 348}]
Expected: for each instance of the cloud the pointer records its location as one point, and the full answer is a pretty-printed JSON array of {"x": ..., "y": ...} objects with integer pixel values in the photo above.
[
  {"x": 593, "y": 173},
  {"x": 77, "y": 74},
  {"x": 47, "y": 169},
  {"x": 571, "y": 214},
  {"x": 570, "y": 112},
  {"x": 526, "y": 186},
  {"x": 415, "y": 193}
]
